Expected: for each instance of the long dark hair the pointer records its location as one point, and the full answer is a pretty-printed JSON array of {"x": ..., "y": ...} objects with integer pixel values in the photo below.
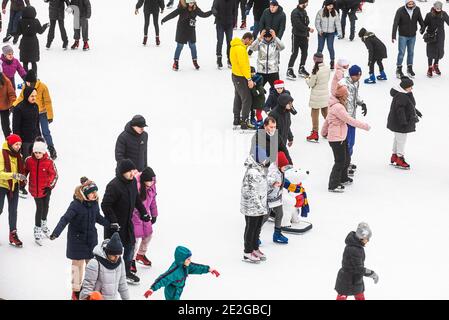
[
  {"x": 2, "y": 81},
  {"x": 316, "y": 68},
  {"x": 143, "y": 190},
  {"x": 326, "y": 12}
]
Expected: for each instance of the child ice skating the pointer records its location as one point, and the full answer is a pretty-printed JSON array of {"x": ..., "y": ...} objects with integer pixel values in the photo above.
[
  {"x": 258, "y": 95},
  {"x": 377, "y": 51},
  {"x": 272, "y": 100},
  {"x": 340, "y": 72}
]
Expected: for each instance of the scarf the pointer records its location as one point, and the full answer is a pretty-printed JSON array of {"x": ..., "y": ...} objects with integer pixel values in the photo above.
[
  {"x": 301, "y": 199},
  {"x": 6, "y": 157}
]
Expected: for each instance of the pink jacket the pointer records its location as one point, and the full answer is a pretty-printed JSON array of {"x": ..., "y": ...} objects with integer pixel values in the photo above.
[
  {"x": 144, "y": 229},
  {"x": 339, "y": 74},
  {"x": 336, "y": 125}
]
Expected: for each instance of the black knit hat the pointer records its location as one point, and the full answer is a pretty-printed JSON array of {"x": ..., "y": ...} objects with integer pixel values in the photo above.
[
  {"x": 31, "y": 76},
  {"x": 302, "y": 1},
  {"x": 362, "y": 32},
  {"x": 147, "y": 174},
  {"x": 284, "y": 99},
  {"x": 406, "y": 82},
  {"x": 329, "y": 2},
  {"x": 125, "y": 165},
  {"x": 138, "y": 121},
  {"x": 114, "y": 247},
  {"x": 27, "y": 92}
]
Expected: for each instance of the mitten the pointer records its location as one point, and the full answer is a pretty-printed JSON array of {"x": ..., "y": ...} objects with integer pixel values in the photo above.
[
  {"x": 364, "y": 109},
  {"x": 148, "y": 293},
  {"x": 153, "y": 220},
  {"x": 145, "y": 217},
  {"x": 215, "y": 273}
]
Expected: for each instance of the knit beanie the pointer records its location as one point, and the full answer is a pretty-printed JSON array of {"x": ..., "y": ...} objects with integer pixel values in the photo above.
[
  {"x": 318, "y": 57},
  {"x": 31, "y": 76},
  {"x": 274, "y": 3},
  {"x": 407, "y": 1},
  {"x": 438, "y": 5},
  {"x": 406, "y": 83},
  {"x": 278, "y": 84},
  {"x": 40, "y": 146},
  {"x": 147, "y": 175},
  {"x": 302, "y": 1},
  {"x": 284, "y": 99},
  {"x": 13, "y": 139},
  {"x": 27, "y": 92},
  {"x": 362, "y": 32},
  {"x": 138, "y": 121},
  {"x": 88, "y": 186},
  {"x": 355, "y": 70},
  {"x": 114, "y": 247},
  {"x": 282, "y": 160},
  {"x": 125, "y": 165},
  {"x": 343, "y": 62},
  {"x": 363, "y": 231},
  {"x": 7, "y": 50},
  {"x": 341, "y": 91}
]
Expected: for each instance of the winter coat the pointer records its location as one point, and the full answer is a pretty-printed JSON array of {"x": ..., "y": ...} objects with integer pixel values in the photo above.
[
  {"x": 174, "y": 279},
  {"x": 376, "y": 48},
  {"x": 7, "y": 94},
  {"x": 16, "y": 5},
  {"x": 81, "y": 217},
  {"x": 4, "y": 175},
  {"x": 150, "y": 6},
  {"x": 29, "y": 27},
  {"x": 328, "y": 24},
  {"x": 84, "y": 6},
  {"x": 185, "y": 29},
  {"x": 300, "y": 22},
  {"x": 131, "y": 145},
  {"x": 43, "y": 174},
  {"x": 104, "y": 276},
  {"x": 275, "y": 21},
  {"x": 143, "y": 229},
  {"x": 120, "y": 199},
  {"x": 402, "y": 117},
  {"x": 224, "y": 12},
  {"x": 335, "y": 127},
  {"x": 319, "y": 83},
  {"x": 435, "y": 23},
  {"x": 254, "y": 190},
  {"x": 11, "y": 67},
  {"x": 259, "y": 7},
  {"x": 43, "y": 99},
  {"x": 268, "y": 55},
  {"x": 283, "y": 122},
  {"x": 348, "y": 4},
  {"x": 350, "y": 276},
  {"x": 407, "y": 26},
  {"x": 272, "y": 99},
  {"x": 239, "y": 59},
  {"x": 258, "y": 93},
  {"x": 56, "y": 9},
  {"x": 338, "y": 75},
  {"x": 25, "y": 121},
  {"x": 354, "y": 99},
  {"x": 274, "y": 193},
  {"x": 263, "y": 140}
]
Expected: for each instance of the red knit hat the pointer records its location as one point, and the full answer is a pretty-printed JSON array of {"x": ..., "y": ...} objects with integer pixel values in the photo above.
[
  {"x": 13, "y": 138},
  {"x": 282, "y": 160},
  {"x": 278, "y": 84}
]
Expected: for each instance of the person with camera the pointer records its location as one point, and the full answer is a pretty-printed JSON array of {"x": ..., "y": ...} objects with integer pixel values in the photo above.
[{"x": 281, "y": 113}]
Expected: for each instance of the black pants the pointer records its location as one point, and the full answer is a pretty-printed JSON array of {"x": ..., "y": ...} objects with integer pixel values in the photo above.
[
  {"x": 252, "y": 232},
  {"x": 128, "y": 253},
  {"x": 299, "y": 43},
  {"x": 223, "y": 31},
  {"x": 342, "y": 160},
  {"x": 379, "y": 64},
  {"x": 242, "y": 97},
  {"x": 26, "y": 149},
  {"x": 13, "y": 202},
  {"x": 270, "y": 78},
  {"x": 352, "y": 18},
  {"x": 4, "y": 114},
  {"x": 155, "y": 22},
  {"x": 242, "y": 10},
  {"x": 42, "y": 205},
  {"x": 51, "y": 32},
  {"x": 84, "y": 25},
  {"x": 433, "y": 61},
  {"x": 33, "y": 66}
]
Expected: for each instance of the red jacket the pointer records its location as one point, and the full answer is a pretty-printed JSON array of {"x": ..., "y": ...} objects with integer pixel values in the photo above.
[{"x": 42, "y": 173}]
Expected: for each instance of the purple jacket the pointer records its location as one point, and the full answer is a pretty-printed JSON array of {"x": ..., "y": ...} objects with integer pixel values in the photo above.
[
  {"x": 144, "y": 229},
  {"x": 11, "y": 67}
]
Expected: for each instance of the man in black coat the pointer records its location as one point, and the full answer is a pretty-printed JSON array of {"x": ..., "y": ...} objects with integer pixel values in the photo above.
[
  {"x": 85, "y": 14},
  {"x": 224, "y": 11},
  {"x": 56, "y": 13},
  {"x": 273, "y": 18},
  {"x": 120, "y": 199},
  {"x": 350, "y": 276},
  {"x": 259, "y": 7},
  {"x": 15, "y": 14},
  {"x": 283, "y": 120},
  {"x": 132, "y": 143},
  {"x": 300, "y": 39}
]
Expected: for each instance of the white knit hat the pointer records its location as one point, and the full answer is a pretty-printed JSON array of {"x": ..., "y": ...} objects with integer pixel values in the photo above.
[
  {"x": 40, "y": 146},
  {"x": 343, "y": 62}
]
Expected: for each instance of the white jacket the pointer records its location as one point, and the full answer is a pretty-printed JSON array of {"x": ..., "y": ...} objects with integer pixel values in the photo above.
[
  {"x": 319, "y": 83},
  {"x": 254, "y": 190},
  {"x": 274, "y": 193}
]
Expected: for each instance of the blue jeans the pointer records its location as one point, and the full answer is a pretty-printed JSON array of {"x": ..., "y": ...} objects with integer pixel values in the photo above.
[
  {"x": 45, "y": 129},
  {"x": 12, "y": 206},
  {"x": 351, "y": 139},
  {"x": 14, "y": 17},
  {"x": 223, "y": 31},
  {"x": 329, "y": 38},
  {"x": 179, "y": 47},
  {"x": 409, "y": 44}
]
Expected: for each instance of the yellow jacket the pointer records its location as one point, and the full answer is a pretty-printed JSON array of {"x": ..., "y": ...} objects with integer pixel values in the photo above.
[
  {"x": 239, "y": 59},
  {"x": 43, "y": 99},
  {"x": 5, "y": 176}
]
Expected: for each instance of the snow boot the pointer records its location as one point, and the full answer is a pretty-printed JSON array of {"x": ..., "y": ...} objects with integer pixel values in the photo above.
[
  {"x": 65, "y": 44},
  {"x": 260, "y": 255},
  {"x": 38, "y": 235},
  {"x": 219, "y": 63},
  {"x": 44, "y": 228},
  {"x": 410, "y": 72},
  {"x": 313, "y": 136},
  {"x": 75, "y": 45},
  {"x": 332, "y": 65},
  {"x": 75, "y": 295},
  {"x": 175, "y": 66},
  {"x": 394, "y": 158},
  {"x": 399, "y": 73},
  {"x": 53, "y": 153},
  {"x": 246, "y": 125},
  {"x": 158, "y": 41},
  {"x": 278, "y": 237},
  {"x": 401, "y": 164},
  {"x": 347, "y": 182},
  {"x": 291, "y": 74},
  {"x": 133, "y": 267},
  {"x": 243, "y": 25},
  {"x": 145, "y": 39},
  {"x": 352, "y": 166},
  {"x": 302, "y": 72},
  {"x": 7, "y": 38},
  {"x": 195, "y": 64},
  {"x": 430, "y": 72},
  {"x": 141, "y": 258},
  {"x": 251, "y": 257},
  {"x": 436, "y": 69},
  {"x": 14, "y": 239},
  {"x": 382, "y": 76},
  {"x": 371, "y": 79},
  {"x": 15, "y": 39},
  {"x": 236, "y": 122},
  {"x": 339, "y": 189},
  {"x": 86, "y": 46},
  {"x": 132, "y": 278}
]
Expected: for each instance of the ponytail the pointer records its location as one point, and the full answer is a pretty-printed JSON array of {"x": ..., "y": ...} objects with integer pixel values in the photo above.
[{"x": 316, "y": 68}]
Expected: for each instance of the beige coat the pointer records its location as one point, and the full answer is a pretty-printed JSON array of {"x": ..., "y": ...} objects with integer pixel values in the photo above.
[{"x": 319, "y": 83}]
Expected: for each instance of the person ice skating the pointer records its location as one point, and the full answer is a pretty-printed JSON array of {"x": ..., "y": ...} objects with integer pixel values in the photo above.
[
  {"x": 402, "y": 120},
  {"x": 174, "y": 280},
  {"x": 241, "y": 78},
  {"x": 258, "y": 99},
  {"x": 272, "y": 100},
  {"x": 300, "y": 39},
  {"x": 11, "y": 65},
  {"x": 120, "y": 199},
  {"x": 435, "y": 37},
  {"x": 269, "y": 47},
  {"x": 224, "y": 11},
  {"x": 15, "y": 13},
  {"x": 273, "y": 18},
  {"x": 56, "y": 12},
  {"x": 348, "y": 9},
  {"x": 282, "y": 114},
  {"x": 335, "y": 128},
  {"x": 185, "y": 29},
  {"x": 132, "y": 143},
  {"x": 406, "y": 20},
  {"x": 85, "y": 12},
  {"x": 12, "y": 176},
  {"x": 42, "y": 176},
  {"x": 150, "y": 8},
  {"x": 7, "y": 98},
  {"x": 328, "y": 25},
  {"x": 146, "y": 185},
  {"x": 43, "y": 100},
  {"x": 105, "y": 273},
  {"x": 377, "y": 51},
  {"x": 258, "y": 7},
  {"x": 350, "y": 276},
  {"x": 81, "y": 216},
  {"x": 341, "y": 71},
  {"x": 318, "y": 82},
  {"x": 242, "y": 5}
]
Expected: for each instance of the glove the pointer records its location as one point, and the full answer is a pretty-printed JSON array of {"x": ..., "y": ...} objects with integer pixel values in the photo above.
[
  {"x": 153, "y": 220},
  {"x": 50, "y": 120},
  {"x": 371, "y": 274},
  {"x": 421, "y": 31},
  {"x": 148, "y": 293},
  {"x": 340, "y": 37},
  {"x": 45, "y": 26},
  {"x": 146, "y": 217},
  {"x": 418, "y": 113},
  {"x": 162, "y": 22},
  {"x": 215, "y": 273},
  {"x": 47, "y": 191},
  {"x": 364, "y": 109},
  {"x": 115, "y": 227},
  {"x": 19, "y": 176},
  {"x": 162, "y": 11},
  {"x": 53, "y": 237}
]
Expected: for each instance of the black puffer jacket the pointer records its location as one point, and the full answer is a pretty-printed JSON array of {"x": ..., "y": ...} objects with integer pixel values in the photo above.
[
  {"x": 133, "y": 146},
  {"x": 402, "y": 117},
  {"x": 29, "y": 27},
  {"x": 300, "y": 22},
  {"x": 275, "y": 21},
  {"x": 84, "y": 6},
  {"x": 283, "y": 118},
  {"x": 25, "y": 118},
  {"x": 224, "y": 12},
  {"x": 150, "y": 6},
  {"x": 376, "y": 48},
  {"x": 407, "y": 27},
  {"x": 434, "y": 22},
  {"x": 16, "y": 5},
  {"x": 258, "y": 6},
  {"x": 350, "y": 276},
  {"x": 56, "y": 8}
]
